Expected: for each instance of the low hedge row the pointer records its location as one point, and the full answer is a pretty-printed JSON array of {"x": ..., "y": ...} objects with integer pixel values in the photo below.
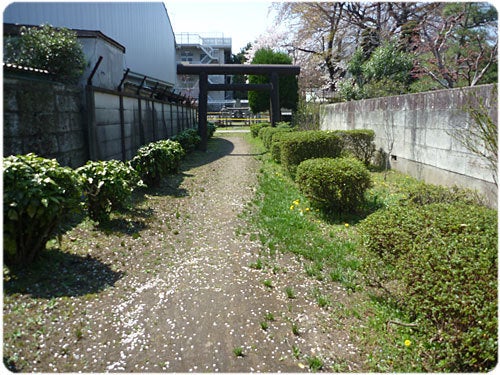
[
  {"x": 358, "y": 143},
  {"x": 158, "y": 159},
  {"x": 299, "y": 146},
  {"x": 334, "y": 184},
  {"x": 188, "y": 139},
  {"x": 310, "y": 157},
  {"x": 255, "y": 128},
  {"x": 267, "y": 133},
  {"x": 39, "y": 193},
  {"x": 439, "y": 262},
  {"x": 108, "y": 186}
]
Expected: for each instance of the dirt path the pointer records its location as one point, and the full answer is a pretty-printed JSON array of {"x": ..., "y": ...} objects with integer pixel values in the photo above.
[{"x": 191, "y": 298}]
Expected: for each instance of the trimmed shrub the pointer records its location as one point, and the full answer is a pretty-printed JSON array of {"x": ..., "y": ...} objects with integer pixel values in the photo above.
[
  {"x": 334, "y": 184},
  {"x": 108, "y": 186},
  {"x": 266, "y": 134},
  {"x": 359, "y": 143},
  {"x": 423, "y": 193},
  {"x": 188, "y": 139},
  {"x": 276, "y": 142},
  {"x": 157, "y": 160},
  {"x": 255, "y": 128},
  {"x": 211, "y": 128},
  {"x": 38, "y": 195},
  {"x": 442, "y": 258},
  {"x": 300, "y": 146}
]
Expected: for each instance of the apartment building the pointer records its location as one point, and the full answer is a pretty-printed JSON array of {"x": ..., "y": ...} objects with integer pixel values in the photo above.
[{"x": 204, "y": 48}]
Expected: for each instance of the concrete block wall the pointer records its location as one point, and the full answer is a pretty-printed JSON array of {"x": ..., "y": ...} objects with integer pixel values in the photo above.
[
  {"x": 419, "y": 131},
  {"x": 45, "y": 118},
  {"x": 137, "y": 121},
  {"x": 74, "y": 125}
]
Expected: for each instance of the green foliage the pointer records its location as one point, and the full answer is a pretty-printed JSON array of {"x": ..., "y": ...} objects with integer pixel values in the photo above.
[
  {"x": 334, "y": 184},
  {"x": 307, "y": 115},
  {"x": 388, "y": 61},
  {"x": 188, "y": 139},
  {"x": 288, "y": 85},
  {"x": 45, "y": 47},
  {"x": 255, "y": 128},
  {"x": 300, "y": 146},
  {"x": 267, "y": 133},
  {"x": 422, "y": 194},
  {"x": 359, "y": 143},
  {"x": 159, "y": 159},
  {"x": 387, "y": 71},
  {"x": 276, "y": 142},
  {"x": 38, "y": 194},
  {"x": 443, "y": 259},
  {"x": 108, "y": 186},
  {"x": 211, "y": 128}
]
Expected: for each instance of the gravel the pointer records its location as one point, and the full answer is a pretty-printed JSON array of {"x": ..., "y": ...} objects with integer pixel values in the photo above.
[{"x": 186, "y": 295}]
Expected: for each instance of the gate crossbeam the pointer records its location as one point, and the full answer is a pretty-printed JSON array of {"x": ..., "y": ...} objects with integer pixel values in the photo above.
[{"x": 204, "y": 70}]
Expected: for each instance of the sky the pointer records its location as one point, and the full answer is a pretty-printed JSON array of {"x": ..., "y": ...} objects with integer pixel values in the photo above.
[{"x": 243, "y": 21}]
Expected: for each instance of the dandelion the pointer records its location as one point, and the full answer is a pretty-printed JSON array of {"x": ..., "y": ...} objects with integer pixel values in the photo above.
[
  {"x": 346, "y": 225},
  {"x": 296, "y": 202},
  {"x": 308, "y": 209},
  {"x": 407, "y": 343},
  {"x": 292, "y": 207}
]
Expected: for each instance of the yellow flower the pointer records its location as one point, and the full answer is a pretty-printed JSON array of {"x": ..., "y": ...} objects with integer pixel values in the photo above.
[
  {"x": 346, "y": 225},
  {"x": 292, "y": 207},
  {"x": 407, "y": 343},
  {"x": 296, "y": 202},
  {"x": 308, "y": 209}
]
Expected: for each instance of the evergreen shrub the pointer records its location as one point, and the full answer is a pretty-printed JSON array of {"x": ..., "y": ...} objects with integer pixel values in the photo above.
[
  {"x": 358, "y": 143},
  {"x": 255, "y": 128},
  {"x": 334, "y": 184},
  {"x": 303, "y": 145},
  {"x": 441, "y": 260},
  {"x": 38, "y": 194},
  {"x": 266, "y": 134}
]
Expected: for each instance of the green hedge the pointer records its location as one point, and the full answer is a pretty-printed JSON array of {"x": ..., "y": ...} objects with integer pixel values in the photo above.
[
  {"x": 37, "y": 196},
  {"x": 303, "y": 145},
  {"x": 255, "y": 128},
  {"x": 439, "y": 261},
  {"x": 358, "y": 143},
  {"x": 266, "y": 134},
  {"x": 423, "y": 193},
  {"x": 188, "y": 139},
  {"x": 158, "y": 159},
  {"x": 108, "y": 186},
  {"x": 334, "y": 184}
]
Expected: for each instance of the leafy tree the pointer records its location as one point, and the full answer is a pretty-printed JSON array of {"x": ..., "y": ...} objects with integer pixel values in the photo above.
[
  {"x": 386, "y": 72},
  {"x": 288, "y": 86},
  {"x": 55, "y": 50},
  {"x": 458, "y": 46}
]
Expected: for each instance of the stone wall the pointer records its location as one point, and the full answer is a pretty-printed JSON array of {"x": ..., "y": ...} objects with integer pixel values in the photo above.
[
  {"x": 45, "y": 118},
  {"x": 419, "y": 132},
  {"x": 74, "y": 125}
]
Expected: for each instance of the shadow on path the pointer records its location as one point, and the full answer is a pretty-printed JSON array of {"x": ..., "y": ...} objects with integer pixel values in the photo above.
[{"x": 57, "y": 274}]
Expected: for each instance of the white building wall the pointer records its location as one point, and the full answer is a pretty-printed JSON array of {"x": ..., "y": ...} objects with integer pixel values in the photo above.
[{"x": 142, "y": 27}]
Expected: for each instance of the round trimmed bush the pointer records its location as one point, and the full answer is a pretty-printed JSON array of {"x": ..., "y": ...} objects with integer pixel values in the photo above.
[
  {"x": 38, "y": 194},
  {"x": 303, "y": 145},
  {"x": 337, "y": 184}
]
